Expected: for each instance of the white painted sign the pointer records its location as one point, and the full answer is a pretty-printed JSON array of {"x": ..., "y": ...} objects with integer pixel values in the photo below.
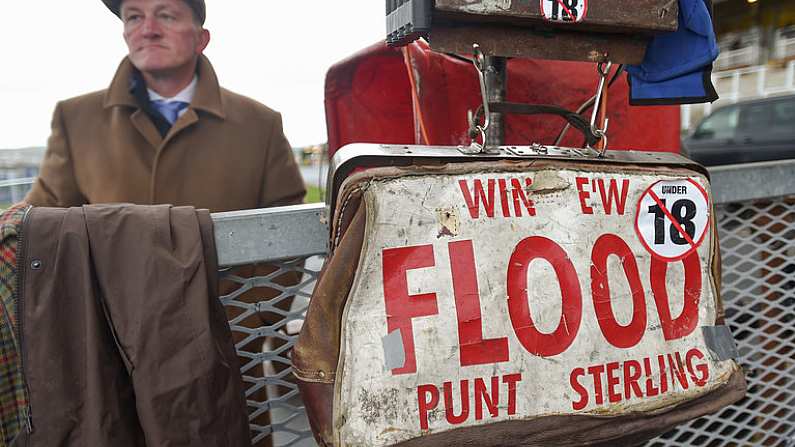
[{"x": 482, "y": 298}]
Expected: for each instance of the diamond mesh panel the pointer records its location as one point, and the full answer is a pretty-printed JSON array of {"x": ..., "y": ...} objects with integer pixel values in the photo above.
[
  {"x": 265, "y": 313},
  {"x": 758, "y": 254}
]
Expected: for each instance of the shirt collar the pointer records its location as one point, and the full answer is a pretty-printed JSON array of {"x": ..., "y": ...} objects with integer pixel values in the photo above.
[
  {"x": 186, "y": 95},
  {"x": 207, "y": 98}
]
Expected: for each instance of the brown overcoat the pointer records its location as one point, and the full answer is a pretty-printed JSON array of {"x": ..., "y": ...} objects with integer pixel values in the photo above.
[
  {"x": 124, "y": 340},
  {"x": 226, "y": 152}
]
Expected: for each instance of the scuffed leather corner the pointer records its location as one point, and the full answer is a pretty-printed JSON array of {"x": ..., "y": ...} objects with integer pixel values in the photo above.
[
  {"x": 319, "y": 402},
  {"x": 316, "y": 353}
]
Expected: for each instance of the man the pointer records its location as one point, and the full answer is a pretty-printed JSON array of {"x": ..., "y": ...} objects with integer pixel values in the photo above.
[{"x": 166, "y": 132}]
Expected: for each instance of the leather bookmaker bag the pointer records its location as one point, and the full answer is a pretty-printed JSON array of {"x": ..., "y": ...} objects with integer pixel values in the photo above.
[{"x": 545, "y": 302}]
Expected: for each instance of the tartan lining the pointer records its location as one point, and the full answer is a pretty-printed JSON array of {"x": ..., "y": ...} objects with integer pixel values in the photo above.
[{"x": 13, "y": 393}]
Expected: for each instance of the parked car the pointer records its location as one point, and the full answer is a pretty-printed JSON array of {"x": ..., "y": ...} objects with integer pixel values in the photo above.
[{"x": 744, "y": 132}]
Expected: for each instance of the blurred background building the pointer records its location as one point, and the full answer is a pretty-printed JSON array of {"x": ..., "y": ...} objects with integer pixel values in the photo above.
[
  {"x": 757, "y": 58},
  {"x": 18, "y": 168}
]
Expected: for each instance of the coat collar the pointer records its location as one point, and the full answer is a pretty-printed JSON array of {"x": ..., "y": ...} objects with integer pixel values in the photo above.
[{"x": 207, "y": 97}]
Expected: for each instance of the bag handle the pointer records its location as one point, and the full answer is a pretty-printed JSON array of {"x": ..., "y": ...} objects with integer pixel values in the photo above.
[{"x": 576, "y": 120}]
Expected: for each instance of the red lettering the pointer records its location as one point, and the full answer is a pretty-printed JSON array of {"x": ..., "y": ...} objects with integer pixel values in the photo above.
[
  {"x": 511, "y": 380},
  {"x": 400, "y": 306},
  {"x": 533, "y": 340},
  {"x": 663, "y": 374},
  {"x": 612, "y": 381},
  {"x": 583, "y": 195},
  {"x": 519, "y": 195},
  {"x": 575, "y": 384},
  {"x": 612, "y": 194},
  {"x": 631, "y": 375},
  {"x": 473, "y": 204},
  {"x": 686, "y": 322},
  {"x": 678, "y": 370},
  {"x": 617, "y": 335},
  {"x": 651, "y": 390},
  {"x": 607, "y": 380},
  {"x": 428, "y": 399},
  {"x": 506, "y": 207},
  {"x": 448, "y": 402},
  {"x": 474, "y": 350},
  {"x": 481, "y": 397},
  {"x": 596, "y": 372},
  {"x": 702, "y": 368}
]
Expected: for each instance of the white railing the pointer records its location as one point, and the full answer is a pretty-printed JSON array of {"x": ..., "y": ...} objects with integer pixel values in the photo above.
[
  {"x": 785, "y": 48},
  {"x": 737, "y": 58},
  {"x": 13, "y": 190}
]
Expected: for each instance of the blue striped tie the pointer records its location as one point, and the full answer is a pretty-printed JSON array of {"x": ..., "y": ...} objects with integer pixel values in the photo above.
[{"x": 170, "y": 110}]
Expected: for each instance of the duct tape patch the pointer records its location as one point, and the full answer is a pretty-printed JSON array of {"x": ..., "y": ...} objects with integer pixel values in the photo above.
[
  {"x": 394, "y": 352},
  {"x": 720, "y": 343}
]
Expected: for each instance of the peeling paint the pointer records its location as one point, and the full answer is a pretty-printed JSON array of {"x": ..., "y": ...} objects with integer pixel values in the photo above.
[
  {"x": 376, "y": 406},
  {"x": 546, "y": 182},
  {"x": 448, "y": 222}
]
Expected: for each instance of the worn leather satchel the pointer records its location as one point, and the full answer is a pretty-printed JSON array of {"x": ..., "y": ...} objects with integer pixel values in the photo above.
[{"x": 536, "y": 302}]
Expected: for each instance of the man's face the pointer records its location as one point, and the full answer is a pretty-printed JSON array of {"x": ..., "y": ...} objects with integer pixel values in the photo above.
[{"x": 162, "y": 35}]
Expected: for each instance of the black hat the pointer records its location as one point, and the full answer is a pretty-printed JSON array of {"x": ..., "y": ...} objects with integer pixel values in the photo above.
[{"x": 197, "y": 6}]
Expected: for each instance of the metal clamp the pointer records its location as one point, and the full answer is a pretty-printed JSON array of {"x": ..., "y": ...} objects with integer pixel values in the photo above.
[
  {"x": 603, "y": 68},
  {"x": 475, "y": 128}
]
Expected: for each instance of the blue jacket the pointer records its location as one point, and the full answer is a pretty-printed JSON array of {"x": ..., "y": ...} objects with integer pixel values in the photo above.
[{"x": 677, "y": 66}]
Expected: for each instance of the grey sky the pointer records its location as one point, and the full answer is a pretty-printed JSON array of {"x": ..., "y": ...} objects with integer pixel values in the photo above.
[{"x": 276, "y": 52}]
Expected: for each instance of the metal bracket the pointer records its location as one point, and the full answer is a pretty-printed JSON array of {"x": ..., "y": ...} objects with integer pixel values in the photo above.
[
  {"x": 475, "y": 129},
  {"x": 603, "y": 69},
  {"x": 407, "y": 21}
]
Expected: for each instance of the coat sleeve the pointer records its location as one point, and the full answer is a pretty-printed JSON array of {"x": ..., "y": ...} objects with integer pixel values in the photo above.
[
  {"x": 283, "y": 184},
  {"x": 56, "y": 185}
]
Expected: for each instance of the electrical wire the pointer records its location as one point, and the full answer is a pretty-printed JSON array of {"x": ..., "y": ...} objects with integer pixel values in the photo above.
[{"x": 458, "y": 57}]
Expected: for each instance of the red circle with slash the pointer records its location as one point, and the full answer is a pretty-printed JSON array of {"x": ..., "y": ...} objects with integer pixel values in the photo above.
[
  {"x": 559, "y": 11},
  {"x": 672, "y": 218}
]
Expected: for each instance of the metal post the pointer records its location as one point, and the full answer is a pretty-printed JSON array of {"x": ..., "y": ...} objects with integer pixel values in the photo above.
[
  {"x": 496, "y": 77},
  {"x": 735, "y": 95},
  {"x": 685, "y": 117},
  {"x": 761, "y": 81}
]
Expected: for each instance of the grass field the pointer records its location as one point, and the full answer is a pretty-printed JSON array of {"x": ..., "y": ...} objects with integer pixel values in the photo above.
[{"x": 313, "y": 194}]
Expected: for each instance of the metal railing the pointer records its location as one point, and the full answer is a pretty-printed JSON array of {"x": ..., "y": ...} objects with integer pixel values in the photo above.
[
  {"x": 265, "y": 312},
  {"x": 738, "y": 58},
  {"x": 756, "y": 223},
  {"x": 15, "y": 189},
  {"x": 785, "y": 48},
  {"x": 755, "y": 207}
]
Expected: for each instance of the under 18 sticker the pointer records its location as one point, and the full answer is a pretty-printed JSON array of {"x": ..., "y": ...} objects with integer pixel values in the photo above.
[
  {"x": 672, "y": 218},
  {"x": 564, "y": 10}
]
